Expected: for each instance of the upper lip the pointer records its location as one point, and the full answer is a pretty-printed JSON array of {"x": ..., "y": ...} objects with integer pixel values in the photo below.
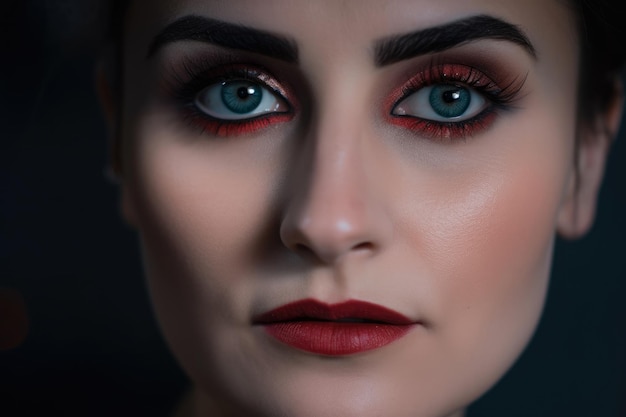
[{"x": 347, "y": 311}]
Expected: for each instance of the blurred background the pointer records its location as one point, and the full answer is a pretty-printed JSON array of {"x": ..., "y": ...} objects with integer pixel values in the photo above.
[{"x": 77, "y": 335}]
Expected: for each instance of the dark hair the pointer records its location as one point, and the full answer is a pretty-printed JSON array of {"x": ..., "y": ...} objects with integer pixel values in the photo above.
[{"x": 603, "y": 54}]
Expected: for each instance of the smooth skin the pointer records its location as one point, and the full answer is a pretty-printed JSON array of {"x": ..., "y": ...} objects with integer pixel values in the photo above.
[{"x": 339, "y": 203}]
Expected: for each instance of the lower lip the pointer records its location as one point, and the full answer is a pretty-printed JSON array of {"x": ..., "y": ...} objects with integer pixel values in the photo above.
[{"x": 336, "y": 338}]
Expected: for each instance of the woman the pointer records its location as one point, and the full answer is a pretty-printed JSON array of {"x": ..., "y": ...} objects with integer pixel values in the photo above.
[{"x": 349, "y": 208}]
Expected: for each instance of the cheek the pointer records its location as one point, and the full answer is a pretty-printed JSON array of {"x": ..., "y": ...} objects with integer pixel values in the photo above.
[
  {"x": 202, "y": 196},
  {"x": 200, "y": 206},
  {"x": 496, "y": 278},
  {"x": 490, "y": 237}
]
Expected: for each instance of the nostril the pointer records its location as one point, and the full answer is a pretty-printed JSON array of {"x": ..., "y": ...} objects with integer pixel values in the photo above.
[
  {"x": 364, "y": 246},
  {"x": 327, "y": 249},
  {"x": 303, "y": 250},
  {"x": 325, "y": 235},
  {"x": 306, "y": 252}
]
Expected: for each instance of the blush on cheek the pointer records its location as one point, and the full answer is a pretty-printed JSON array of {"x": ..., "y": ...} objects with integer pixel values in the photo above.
[
  {"x": 510, "y": 217},
  {"x": 497, "y": 236}
]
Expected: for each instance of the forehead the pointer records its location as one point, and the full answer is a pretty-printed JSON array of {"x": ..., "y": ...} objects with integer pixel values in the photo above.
[{"x": 357, "y": 20}]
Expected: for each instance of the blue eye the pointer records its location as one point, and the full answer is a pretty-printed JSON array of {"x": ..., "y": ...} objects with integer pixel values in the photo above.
[
  {"x": 442, "y": 103},
  {"x": 239, "y": 100}
]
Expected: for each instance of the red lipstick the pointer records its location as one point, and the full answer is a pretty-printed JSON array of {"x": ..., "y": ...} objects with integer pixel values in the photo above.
[{"x": 334, "y": 329}]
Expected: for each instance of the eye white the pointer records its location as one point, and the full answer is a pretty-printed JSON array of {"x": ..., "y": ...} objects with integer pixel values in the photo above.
[
  {"x": 211, "y": 102},
  {"x": 420, "y": 104}
]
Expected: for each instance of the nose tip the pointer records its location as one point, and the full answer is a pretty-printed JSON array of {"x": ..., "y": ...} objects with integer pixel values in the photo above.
[
  {"x": 327, "y": 237},
  {"x": 335, "y": 207}
]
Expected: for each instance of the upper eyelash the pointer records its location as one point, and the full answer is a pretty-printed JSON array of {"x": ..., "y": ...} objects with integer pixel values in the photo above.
[
  {"x": 502, "y": 97},
  {"x": 196, "y": 74},
  {"x": 195, "y": 80},
  {"x": 183, "y": 83},
  {"x": 192, "y": 75}
]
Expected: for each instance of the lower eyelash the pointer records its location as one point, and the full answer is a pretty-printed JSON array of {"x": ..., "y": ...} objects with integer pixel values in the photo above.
[
  {"x": 435, "y": 130},
  {"x": 225, "y": 128},
  {"x": 183, "y": 85},
  {"x": 500, "y": 98}
]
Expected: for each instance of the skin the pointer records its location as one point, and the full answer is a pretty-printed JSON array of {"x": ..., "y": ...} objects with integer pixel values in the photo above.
[{"x": 338, "y": 203}]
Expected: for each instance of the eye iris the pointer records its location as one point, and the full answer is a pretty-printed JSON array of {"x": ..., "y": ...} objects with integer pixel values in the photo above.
[
  {"x": 241, "y": 96},
  {"x": 449, "y": 100}
]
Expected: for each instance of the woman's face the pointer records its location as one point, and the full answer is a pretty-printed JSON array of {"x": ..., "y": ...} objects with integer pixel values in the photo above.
[{"x": 319, "y": 160}]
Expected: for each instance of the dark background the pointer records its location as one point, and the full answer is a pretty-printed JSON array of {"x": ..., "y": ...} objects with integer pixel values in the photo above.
[{"x": 93, "y": 347}]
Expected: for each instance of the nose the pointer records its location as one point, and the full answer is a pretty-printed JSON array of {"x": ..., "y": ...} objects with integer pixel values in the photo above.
[{"x": 335, "y": 206}]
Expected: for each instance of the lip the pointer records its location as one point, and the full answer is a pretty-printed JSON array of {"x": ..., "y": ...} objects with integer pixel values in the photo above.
[{"x": 334, "y": 329}]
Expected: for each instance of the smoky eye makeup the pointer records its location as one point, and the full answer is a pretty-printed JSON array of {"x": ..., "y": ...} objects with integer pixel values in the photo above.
[
  {"x": 224, "y": 95},
  {"x": 453, "y": 98},
  {"x": 446, "y": 97}
]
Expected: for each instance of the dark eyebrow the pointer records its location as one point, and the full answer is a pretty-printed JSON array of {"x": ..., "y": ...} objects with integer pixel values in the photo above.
[
  {"x": 228, "y": 35},
  {"x": 436, "y": 39}
]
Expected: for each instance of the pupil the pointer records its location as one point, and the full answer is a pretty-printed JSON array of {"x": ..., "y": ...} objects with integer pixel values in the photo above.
[
  {"x": 245, "y": 92},
  {"x": 449, "y": 101},
  {"x": 241, "y": 96},
  {"x": 451, "y": 96}
]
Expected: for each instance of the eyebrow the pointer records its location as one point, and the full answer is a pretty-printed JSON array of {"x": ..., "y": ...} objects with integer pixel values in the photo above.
[
  {"x": 439, "y": 38},
  {"x": 228, "y": 35}
]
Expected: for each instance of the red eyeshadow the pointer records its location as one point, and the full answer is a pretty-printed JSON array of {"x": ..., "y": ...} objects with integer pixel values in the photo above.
[
  {"x": 227, "y": 128},
  {"x": 444, "y": 131},
  {"x": 458, "y": 74}
]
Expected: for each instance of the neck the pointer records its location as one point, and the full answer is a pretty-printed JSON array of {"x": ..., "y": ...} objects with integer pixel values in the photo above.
[{"x": 194, "y": 404}]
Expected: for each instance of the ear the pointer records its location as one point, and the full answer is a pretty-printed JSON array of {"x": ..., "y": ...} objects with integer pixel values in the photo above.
[
  {"x": 577, "y": 212},
  {"x": 109, "y": 106}
]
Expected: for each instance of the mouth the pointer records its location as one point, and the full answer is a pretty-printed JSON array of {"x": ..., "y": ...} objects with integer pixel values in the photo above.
[{"x": 340, "y": 329}]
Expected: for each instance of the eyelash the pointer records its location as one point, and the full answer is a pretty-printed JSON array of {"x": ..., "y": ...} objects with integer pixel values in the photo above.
[
  {"x": 498, "y": 99},
  {"x": 198, "y": 79},
  {"x": 187, "y": 86}
]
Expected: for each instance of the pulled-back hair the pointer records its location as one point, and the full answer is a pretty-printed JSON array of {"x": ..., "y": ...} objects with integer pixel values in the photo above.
[{"x": 603, "y": 55}]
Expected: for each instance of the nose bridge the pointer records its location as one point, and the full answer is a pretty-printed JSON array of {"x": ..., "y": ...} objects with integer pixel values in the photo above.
[
  {"x": 337, "y": 190},
  {"x": 332, "y": 210}
]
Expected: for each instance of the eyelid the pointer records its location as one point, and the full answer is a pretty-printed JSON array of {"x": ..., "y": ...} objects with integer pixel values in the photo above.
[
  {"x": 191, "y": 73},
  {"x": 500, "y": 96},
  {"x": 213, "y": 93},
  {"x": 417, "y": 104},
  {"x": 191, "y": 76},
  {"x": 445, "y": 73}
]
